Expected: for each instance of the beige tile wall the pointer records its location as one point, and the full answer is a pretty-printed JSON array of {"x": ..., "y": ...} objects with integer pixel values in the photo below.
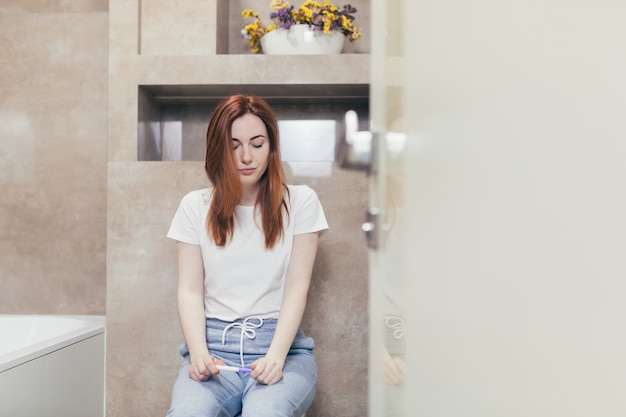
[
  {"x": 53, "y": 156},
  {"x": 143, "y": 332},
  {"x": 166, "y": 42},
  {"x": 67, "y": 218}
]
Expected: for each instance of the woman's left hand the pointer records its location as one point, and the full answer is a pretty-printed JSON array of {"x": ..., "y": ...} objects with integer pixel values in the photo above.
[{"x": 267, "y": 371}]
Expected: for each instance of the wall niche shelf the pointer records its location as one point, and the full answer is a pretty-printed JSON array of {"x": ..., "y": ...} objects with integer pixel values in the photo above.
[
  {"x": 247, "y": 70},
  {"x": 172, "y": 118},
  {"x": 203, "y": 27}
]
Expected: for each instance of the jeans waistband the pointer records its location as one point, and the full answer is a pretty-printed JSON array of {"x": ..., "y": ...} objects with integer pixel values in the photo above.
[{"x": 248, "y": 327}]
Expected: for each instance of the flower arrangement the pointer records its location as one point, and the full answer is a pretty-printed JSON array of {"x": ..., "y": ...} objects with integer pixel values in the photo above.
[{"x": 321, "y": 16}]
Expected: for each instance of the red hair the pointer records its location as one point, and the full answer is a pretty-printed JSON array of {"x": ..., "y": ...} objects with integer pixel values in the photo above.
[{"x": 221, "y": 168}]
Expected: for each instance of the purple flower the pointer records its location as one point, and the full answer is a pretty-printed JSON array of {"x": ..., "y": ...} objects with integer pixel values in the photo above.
[{"x": 283, "y": 17}]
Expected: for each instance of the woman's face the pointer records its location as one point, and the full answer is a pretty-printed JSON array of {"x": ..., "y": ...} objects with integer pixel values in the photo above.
[{"x": 251, "y": 147}]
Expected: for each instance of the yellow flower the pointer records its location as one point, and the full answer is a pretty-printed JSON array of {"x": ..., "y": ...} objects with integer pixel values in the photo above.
[
  {"x": 345, "y": 23},
  {"x": 309, "y": 3},
  {"x": 277, "y": 4},
  {"x": 249, "y": 12},
  {"x": 307, "y": 14}
]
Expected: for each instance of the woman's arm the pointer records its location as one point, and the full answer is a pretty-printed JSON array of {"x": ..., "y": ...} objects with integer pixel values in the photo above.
[
  {"x": 191, "y": 310},
  {"x": 268, "y": 370}
]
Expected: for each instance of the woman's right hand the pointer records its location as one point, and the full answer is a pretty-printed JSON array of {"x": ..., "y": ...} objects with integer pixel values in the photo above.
[
  {"x": 203, "y": 366},
  {"x": 395, "y": 369}
]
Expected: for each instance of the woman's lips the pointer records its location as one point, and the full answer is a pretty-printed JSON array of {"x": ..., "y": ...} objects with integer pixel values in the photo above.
[{"x": 246, "y": 171}]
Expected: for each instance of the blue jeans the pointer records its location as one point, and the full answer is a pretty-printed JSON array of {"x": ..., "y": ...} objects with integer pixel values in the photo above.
[{"x": 231, "y": 394}]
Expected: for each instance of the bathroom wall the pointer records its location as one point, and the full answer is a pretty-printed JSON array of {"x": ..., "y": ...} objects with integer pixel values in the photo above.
[
  {"x": 53, "y": 155},
  {"x": 142, "y": 327},
  {"x": 81, "y": 216}
]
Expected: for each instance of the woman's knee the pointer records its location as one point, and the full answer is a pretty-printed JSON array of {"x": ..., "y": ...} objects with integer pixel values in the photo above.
[
  {"x": 290, "y": 397},
  {"x": 190, "y": 410},
  {"x": 198, "y": 400}
]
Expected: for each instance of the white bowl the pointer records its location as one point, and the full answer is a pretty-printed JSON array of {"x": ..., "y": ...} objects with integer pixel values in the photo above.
[{"x": 302, "y": 40}]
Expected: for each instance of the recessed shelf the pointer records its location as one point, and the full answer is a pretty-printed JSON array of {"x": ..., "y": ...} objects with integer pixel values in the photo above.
[
  {"x": 272, "y": 93},
  {"x": 250, "y": 70},
  {"x": 173, "y": 118}
]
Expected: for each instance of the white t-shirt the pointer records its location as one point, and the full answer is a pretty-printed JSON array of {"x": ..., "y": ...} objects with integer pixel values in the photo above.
[{"x": 242, "y": 278}]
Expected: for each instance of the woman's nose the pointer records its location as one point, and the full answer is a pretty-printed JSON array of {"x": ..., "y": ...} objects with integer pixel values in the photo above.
[{"x": 245, "y": 154}]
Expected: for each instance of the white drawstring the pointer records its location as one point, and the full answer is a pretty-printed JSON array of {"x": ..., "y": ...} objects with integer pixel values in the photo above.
[
  {"x": 247, "y": 329},
  {"x": 397, "y": 325}
]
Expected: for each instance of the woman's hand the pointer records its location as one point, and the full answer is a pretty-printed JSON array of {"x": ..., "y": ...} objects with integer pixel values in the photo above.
[
  {"x": 394, "y": 369},
  {"x": 267, "y": 371},
  {"x": 203, "y": 366}
]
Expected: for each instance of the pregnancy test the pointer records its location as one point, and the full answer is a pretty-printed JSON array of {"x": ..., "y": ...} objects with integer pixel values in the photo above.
[{"x": 234, "y": 369}]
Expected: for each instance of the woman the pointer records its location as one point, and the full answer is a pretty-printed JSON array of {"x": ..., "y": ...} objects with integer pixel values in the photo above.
[{"x": 245, "y": 248}]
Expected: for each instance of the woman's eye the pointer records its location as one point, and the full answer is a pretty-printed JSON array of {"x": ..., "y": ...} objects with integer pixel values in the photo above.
[{"x": 258, "y": 146}]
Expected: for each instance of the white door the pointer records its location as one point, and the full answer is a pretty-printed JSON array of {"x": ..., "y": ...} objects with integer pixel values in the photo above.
[{"x": 499, "y": 277}]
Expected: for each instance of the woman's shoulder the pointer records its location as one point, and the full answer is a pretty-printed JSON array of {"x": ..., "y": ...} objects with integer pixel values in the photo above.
[
  {"x": 198, "y": 197},
  {"x": 301, "y": 192},
  {"x": 306, "y": 209},
  {"x": 302, "y": 195}
]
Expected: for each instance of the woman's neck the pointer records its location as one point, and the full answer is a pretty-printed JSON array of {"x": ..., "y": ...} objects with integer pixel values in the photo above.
[{"x": 248, "y": 196}]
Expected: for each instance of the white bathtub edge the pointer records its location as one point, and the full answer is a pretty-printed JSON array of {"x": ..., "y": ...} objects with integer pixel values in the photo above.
[{"x": 94, "y": 324}]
